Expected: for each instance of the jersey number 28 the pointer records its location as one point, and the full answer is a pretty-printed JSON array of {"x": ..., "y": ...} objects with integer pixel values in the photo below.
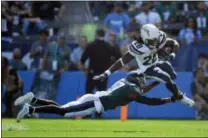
[{"x": 150, "y": 59}]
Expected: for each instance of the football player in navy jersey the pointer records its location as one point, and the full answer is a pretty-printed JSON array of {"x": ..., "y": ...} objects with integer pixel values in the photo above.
[{"x": 121, "y": 93}]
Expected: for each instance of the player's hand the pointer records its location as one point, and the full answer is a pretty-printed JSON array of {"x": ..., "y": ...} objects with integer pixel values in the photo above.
[
  {"x": 100, "y": 77},
  {"x": 170, "y": 57}
]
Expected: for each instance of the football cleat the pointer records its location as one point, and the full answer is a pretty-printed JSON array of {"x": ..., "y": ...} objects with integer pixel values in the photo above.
[
  {"x": 24, "y": 99},
  {"x": 187, "y": 101},
  {"x": 23, "y": 112}
]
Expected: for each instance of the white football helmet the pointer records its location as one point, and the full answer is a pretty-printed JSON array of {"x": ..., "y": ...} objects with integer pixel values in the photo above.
[{"x": 150, "y": 35}]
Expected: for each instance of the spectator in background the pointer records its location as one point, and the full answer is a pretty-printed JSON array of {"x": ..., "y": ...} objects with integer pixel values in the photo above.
[
  {"x": 133, "y": 27},
  {"x": 57, "y": 56},
  {"x": 101, "y": 55},
  {"x": 116, "y": 21},
  {"x": 167, "y": 10},
  {"x": 199, "y": 91},
  {"x": 48, "y": 10},
  {"x": 203, "y": 62},
  {"x": 6, "y": 20},
  {"x": 16, "y": 62},
  {"x": 14, "y": 87},
  {"x": 112, "y": 40},
  {"x": 38, "y": 49},
  {"x": 202, "y": 17},
  {"x": 29, "y": 19},
  {"x": 18, "y": 10},
  {"x": 56, "y": 60},
  {"x": 77, "y": 53},
  {"x": 190, "y": 33},
  {"x": 148, "y": 16},
  {"x": 135, "y": 5}
]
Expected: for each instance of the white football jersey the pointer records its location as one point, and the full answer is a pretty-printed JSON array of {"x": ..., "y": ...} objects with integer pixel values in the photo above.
[{"x": 144, "y": 56}]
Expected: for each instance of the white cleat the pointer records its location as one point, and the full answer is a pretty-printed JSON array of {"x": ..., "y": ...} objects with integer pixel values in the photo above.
[
  {"x": 27, "y": 98},
  {"x": 187, "y": 101},
  {"x": 23, "y": 112}
]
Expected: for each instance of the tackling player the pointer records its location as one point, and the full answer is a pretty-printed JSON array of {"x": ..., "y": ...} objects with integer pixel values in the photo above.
[
  {"x": 120, "y": 93},
  {"x": 145, "y": 50}
]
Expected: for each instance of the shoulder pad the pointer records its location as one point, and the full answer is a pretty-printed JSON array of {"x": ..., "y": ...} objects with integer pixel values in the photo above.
[{"x": 136, "y": 48}]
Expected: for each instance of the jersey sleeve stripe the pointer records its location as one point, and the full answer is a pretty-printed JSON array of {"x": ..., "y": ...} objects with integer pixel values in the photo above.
[{"x": 135, "y": 50}]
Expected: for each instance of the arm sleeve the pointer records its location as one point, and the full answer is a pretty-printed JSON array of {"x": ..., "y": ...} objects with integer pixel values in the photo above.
[
  {"x": 126, "y": 20},
  {"x": 106, "y": 20},
  {"x": 152, "y": 101}
]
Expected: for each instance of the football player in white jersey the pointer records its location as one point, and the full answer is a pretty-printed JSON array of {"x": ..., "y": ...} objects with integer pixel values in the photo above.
[{"x": 145, "y": 50}]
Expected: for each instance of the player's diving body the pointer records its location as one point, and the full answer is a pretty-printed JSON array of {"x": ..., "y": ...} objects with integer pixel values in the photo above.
[
  {"x": 120, "y": 93},
  {"x": 145, "y": 50}
]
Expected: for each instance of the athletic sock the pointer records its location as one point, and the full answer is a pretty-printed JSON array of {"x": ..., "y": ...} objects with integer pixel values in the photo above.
[
  {"x": 47, "y": 109},
  {"x": 43, "y": 102},
  {"x": 172, "y": 87}
]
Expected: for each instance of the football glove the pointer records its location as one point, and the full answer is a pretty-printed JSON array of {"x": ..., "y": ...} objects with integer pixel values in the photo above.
[{"x": 100, "y": 77}]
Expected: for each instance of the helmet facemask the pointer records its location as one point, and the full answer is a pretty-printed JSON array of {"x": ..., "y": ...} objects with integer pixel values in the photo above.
[{"x": 152, "y": 44}]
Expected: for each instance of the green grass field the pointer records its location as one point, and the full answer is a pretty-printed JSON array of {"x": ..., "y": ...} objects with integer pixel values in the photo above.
[{"x": 103, "y": 128}]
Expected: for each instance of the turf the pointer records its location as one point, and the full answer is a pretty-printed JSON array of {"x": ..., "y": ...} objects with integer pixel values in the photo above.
[{"x": 103, "y": 128}]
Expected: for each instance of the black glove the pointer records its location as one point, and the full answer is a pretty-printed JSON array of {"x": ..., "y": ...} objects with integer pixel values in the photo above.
[{"x": 100, "y": 77}]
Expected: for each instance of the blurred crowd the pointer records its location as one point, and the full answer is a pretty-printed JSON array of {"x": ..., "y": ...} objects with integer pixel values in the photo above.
[
  {"x": 22, "y": 18},
  {"x": 187, "y": 21}
]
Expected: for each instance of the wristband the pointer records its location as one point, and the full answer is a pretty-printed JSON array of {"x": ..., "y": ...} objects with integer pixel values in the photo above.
[
  {"x": 121, "y": 61},
  {"x": 107, "y": 72}
]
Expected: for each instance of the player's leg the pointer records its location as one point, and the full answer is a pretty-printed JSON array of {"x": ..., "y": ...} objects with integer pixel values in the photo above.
[
  {"x": 167, "y": 67},
  {"x": 158, "y": 74},
  {"x": 31, "y": 99},
  {"x": 101, "y": 86},
  {"x": 86, "y": 105},
  {"x": 53, "y": 109}
]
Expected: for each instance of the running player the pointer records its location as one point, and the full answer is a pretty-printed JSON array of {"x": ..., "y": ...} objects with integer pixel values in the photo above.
[
  {"x": 145, "y": 50},
  {"x": 120, "y": 93}
]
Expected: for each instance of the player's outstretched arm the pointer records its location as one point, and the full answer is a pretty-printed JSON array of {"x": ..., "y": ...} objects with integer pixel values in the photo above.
[
  {"x": 154, "y": 101},
  {"x": 126, "y": 58}
]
